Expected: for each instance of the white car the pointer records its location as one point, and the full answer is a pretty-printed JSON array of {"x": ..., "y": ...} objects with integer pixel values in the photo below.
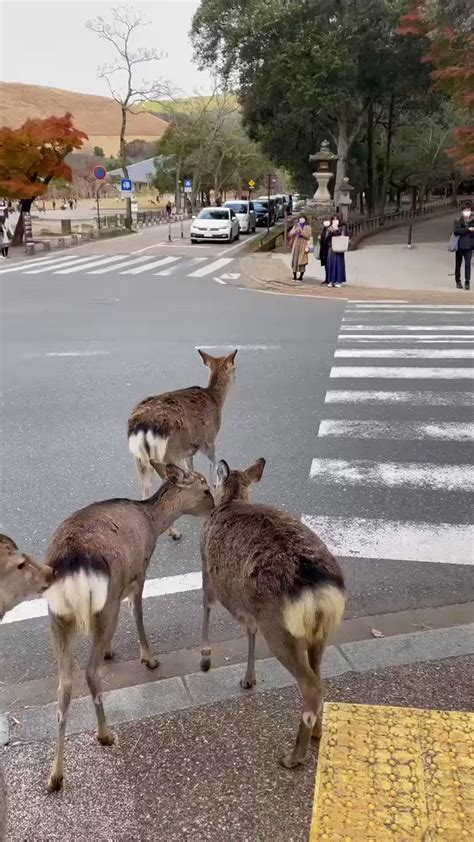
[
  {"x": 215, "y": 224},
  {"x": 245, "y": 214}
]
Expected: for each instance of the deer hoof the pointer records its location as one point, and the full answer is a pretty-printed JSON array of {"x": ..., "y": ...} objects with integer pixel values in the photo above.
[
  {"x": 151, "y": 663},
  {"x": 289, "y": 761},
  {"x": 55, "y": 783},
  {"x": 106, "y": 739},
  {"x": 206, "y": 663},
  {"x": 247, "y": 684},
  {"x": 109, "y": 655},
  {"x": 175, "y": 535}
]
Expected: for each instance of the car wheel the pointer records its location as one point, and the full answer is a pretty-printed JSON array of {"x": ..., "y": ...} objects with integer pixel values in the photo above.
[{"x": 193, "y": 241}]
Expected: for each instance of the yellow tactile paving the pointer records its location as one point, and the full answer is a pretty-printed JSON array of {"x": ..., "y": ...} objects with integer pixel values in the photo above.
[{"x": 389, "y": 774}]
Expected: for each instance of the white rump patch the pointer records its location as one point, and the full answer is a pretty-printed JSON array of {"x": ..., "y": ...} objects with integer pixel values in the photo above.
[
  {"x": 138, "y": 442},
  {"x": 315, "y": 613},
  {"x": 78, "y": 597}
]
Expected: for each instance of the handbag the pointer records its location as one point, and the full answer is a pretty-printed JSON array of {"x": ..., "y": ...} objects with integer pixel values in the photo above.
[
  {"x": 453, "y": 242},
  {"x": 340, "y": 244},
  {"x": 310, "y": 247}
]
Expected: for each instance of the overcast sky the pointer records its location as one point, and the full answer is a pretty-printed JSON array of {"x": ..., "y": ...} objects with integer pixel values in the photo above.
[{"x": 45, "y": 42}]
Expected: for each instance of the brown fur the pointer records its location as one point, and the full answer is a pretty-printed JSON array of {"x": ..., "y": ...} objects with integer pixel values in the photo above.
[
  {"x": 20, "y": 575},
  {"x": 110, "y": 543},
  {"x": 272, "y": 573}
]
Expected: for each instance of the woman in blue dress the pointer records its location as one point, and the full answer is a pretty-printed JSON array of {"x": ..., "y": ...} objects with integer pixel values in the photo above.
[{"x": 336, "y": 260}]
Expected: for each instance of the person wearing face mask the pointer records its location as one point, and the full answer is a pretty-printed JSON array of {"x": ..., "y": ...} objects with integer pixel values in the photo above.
[
  {"x": 324, "y": 249},
  {"x": 336, "y": 260},
  {"x": 300, "y": 235},
  {"x": 464, "y": 230}
]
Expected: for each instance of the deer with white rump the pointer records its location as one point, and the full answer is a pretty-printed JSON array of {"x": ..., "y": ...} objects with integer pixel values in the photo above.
[
  {"x": 273, "y": 574},
  {"x": 174, "y": 426},
  {"x": 99, "y": 556}
]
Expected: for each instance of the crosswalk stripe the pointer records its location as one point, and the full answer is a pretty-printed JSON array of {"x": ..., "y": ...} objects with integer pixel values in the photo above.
[
  {"x": 56, "y": 266},
  {"x": 394, "y": 474},
  {"x": 410, "y": 430},
  {"x": 366, "y": 311},
  {"x": 338, "y": 396},
  {"x": 131, "y": 262},
  {"x": 43, "y": 261},
  {"x": 409, "y": 353},
  {"x": 396, "y": 304},
  {"x": 441, "y": 543},
  {"x": 409, "y": 373},
  {"x": 94, "y": 262},
  {"x": 209, "y": 269},
  {"x": 408, "y": 328},
  {"x": 413, "y": 338},
  {"x": 162, "y": 261}
]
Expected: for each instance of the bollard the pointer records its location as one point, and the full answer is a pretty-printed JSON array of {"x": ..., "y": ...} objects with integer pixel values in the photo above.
[
  {"x": 47, "y": 245},
  {"x": 410, "y": 237},
  {"x": 61, "y": 242},
  {"x": 182, "y": 229},
  {"x": 30, "y": 248},
  {"x": 169, "y": 231}
]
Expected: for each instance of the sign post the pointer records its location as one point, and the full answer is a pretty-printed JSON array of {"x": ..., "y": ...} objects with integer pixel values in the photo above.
[
  {"x": 251, "y": 187},
  {"x": 100, "y": 174}
]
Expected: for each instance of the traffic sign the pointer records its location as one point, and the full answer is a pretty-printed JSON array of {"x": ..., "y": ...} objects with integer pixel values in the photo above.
[
  {"x": 126, "y": 185},
  {"x": 100, "y": 172},
  {"x": 188, "y": 185},
  {"x": 251, "y": 184}
]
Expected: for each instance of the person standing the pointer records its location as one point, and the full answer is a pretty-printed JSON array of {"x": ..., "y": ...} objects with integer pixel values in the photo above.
[
  {"x": 464, "y": 230},
  {"x": 324, "y": 249},
  {"x": 54, "y": 204},
  {"x": 7, "y": 235},
  {"x": 168, "y": 210},
  {"x": 336, "y": 260},
  {"x": 300, "y": 235}
]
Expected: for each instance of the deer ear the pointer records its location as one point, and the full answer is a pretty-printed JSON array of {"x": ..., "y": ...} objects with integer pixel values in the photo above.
[
  {"x": 7, "y": 544},
  {"x": 177, "y": 476},
  {"x": 230, "y": 359},
  {"x": 206, "y": 358},
  {"x": 254, "y": 473},
  {"x": 48, "y": 574},
  {"x": 159, "y": 467},
  {"x": 223, "y": 471}
]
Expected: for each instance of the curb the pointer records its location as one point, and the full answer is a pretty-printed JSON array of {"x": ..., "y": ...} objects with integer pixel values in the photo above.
[{"x": 141, "y": 701}]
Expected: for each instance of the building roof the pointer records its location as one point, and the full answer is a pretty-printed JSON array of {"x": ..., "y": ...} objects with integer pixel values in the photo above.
[{"x": 140, "y": 173}]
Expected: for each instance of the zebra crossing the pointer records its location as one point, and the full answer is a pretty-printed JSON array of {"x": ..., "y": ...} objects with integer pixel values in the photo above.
[
  {"x": 119, "y": 264},
  {"x": 394, "y": 447}
]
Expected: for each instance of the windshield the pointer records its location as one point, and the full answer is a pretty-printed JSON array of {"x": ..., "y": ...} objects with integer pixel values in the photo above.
[
  {"x": 237, "y": 207},
  {"x": 214, "y": 213},
  {"x": 260, "y": 206}
]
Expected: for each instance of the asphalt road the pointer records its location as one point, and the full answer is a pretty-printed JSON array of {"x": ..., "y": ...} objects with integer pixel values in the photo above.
[{"x": 79, "y": 350}]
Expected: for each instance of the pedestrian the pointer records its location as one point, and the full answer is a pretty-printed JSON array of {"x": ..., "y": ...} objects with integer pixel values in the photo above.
[
  {"x": 464, "y": 231},
  {"x": 300, "y": 236},
  {"x": 75, "y": 204},
  {"x": 71, "y": 204},
  {"x": 324, "y": 249},
  {"x": 54, "y": 204},
  {"x": 335, "y": 261},
  {"x": 7, "y": 235},
  {"x": 168, "y": 209}
]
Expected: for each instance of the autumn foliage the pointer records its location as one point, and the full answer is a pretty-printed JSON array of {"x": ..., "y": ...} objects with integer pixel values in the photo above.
[
  {"x": 33, "y": 155},
  {"x": 451, "y": 53}
]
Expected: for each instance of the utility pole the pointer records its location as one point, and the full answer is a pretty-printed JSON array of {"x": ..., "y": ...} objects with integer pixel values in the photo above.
[{"x": 268, "y": 212}]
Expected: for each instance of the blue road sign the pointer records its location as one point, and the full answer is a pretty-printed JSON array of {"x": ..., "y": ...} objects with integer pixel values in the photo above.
[
  {"x": 126, "y": 185},
  {"x": 188, "y": 185},
  {"x": 100, "y": 172}
]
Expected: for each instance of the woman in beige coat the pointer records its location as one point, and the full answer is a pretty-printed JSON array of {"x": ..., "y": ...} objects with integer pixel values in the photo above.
[{"x": 300, "y": 235}]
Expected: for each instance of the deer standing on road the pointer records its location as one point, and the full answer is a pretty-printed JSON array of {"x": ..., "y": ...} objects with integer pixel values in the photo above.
[
  {"x": 272, "y": 573},
  {"x": 174, "y": 426},
  {"x": 100, "y": 556},
  {"x": 20, "y": 575}
]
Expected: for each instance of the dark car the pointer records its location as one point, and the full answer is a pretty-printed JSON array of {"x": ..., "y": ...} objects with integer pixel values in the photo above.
[{"x": 261, "y": 212}]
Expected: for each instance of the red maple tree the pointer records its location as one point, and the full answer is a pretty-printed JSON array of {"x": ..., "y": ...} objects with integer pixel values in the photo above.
[
  {"x": 32, "y": 156},
  {"x": 451, "y": 52}
]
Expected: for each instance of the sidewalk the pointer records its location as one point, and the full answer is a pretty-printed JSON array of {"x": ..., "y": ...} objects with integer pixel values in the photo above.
[
  {"x": 200, "y": 760},
  {"x": 382, "y": 266}
]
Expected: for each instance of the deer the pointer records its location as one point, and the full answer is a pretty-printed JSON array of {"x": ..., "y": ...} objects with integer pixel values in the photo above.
[
  {"x": 21, "y": 575},
  {"x": 99, "y": 556},
  {"x": 273, "y": 574},
  {"x": 174, "y": 426}
]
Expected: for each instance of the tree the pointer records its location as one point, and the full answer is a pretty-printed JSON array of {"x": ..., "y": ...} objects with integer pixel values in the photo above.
[
  {"x": 304, "y": 69},
  {"x": 99, "y": 152},
  {"x": 139, "y": 150},
  {"x": 120, "y": 75},
  {"x": 447, "y": 26},
  {"x": 32, "y": 156}
]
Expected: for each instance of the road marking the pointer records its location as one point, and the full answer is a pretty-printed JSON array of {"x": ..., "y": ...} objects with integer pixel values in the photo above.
[
  {"x": 239, "y": 347},
  {"x": 94, "y": 262},
  {"x": 220, "y": 281},
  {"x": 376, "y": 301},
  {"x": 164, "y": 586},
  {"x": 211, "y": 268},
  {"x": 27, "y": 264},
  {"x": 448, "y": 311},
  {"x": 162, "y": 261},
  {"x": 412, "y": 430},
  {"x": 425, "y": 353},
  {"x": 441, "y": 543},
  {"x": 361, "y": 338},
  {"x": 405, "y": 306},
  {"x": 70, "y": 354},
  {"x": 406, "y": 327},
  {"x": 394, "y": 474},
  {"x": 58, "y": 264},
  {"x": 231, "y": 276},
  {"x": 122, "y": 265},
  {"x": 241, "y": 244},
  {"x": 415, "y": 372},
  {"x": 403, "y": 397}
]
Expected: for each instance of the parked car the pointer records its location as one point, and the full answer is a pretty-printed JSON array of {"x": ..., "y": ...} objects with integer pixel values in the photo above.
[
  {"x": 245, "y": 214},
  {"x": 215, "y": 224},
  {"x": 261, "y": 211}
]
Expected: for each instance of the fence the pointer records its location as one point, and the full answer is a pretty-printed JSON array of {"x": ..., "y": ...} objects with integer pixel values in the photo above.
[{"x": 362, "y": 228}]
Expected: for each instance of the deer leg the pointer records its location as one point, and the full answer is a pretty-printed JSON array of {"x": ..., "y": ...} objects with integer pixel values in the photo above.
[
  {"x": 293, "y": 654},
  {"x": 145, "y": 478},
  {"x": 105, "y": 625},
  {"x": 249, "y": 680},
  {"x": 187, "y": 464},
  {"x": 208, "y": 597},
  {"x": 315, "y": 654},
  {"x": 137, "y": 611},
  {"x": 63, "y": 633}
]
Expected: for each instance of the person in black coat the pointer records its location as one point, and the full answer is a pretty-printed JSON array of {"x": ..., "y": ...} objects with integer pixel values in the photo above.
[
  {"x": 324, "y": 248},
  {"x": 464, "y": 229}
]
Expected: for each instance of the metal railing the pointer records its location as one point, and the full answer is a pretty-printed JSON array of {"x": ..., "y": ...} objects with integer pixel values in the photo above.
[{"x": 373, "y": 223}]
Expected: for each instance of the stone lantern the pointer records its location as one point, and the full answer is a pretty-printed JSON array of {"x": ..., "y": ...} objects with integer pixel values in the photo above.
[
  {"x": 323, "y": 174},
  {"x": 345, "y": 200}
]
